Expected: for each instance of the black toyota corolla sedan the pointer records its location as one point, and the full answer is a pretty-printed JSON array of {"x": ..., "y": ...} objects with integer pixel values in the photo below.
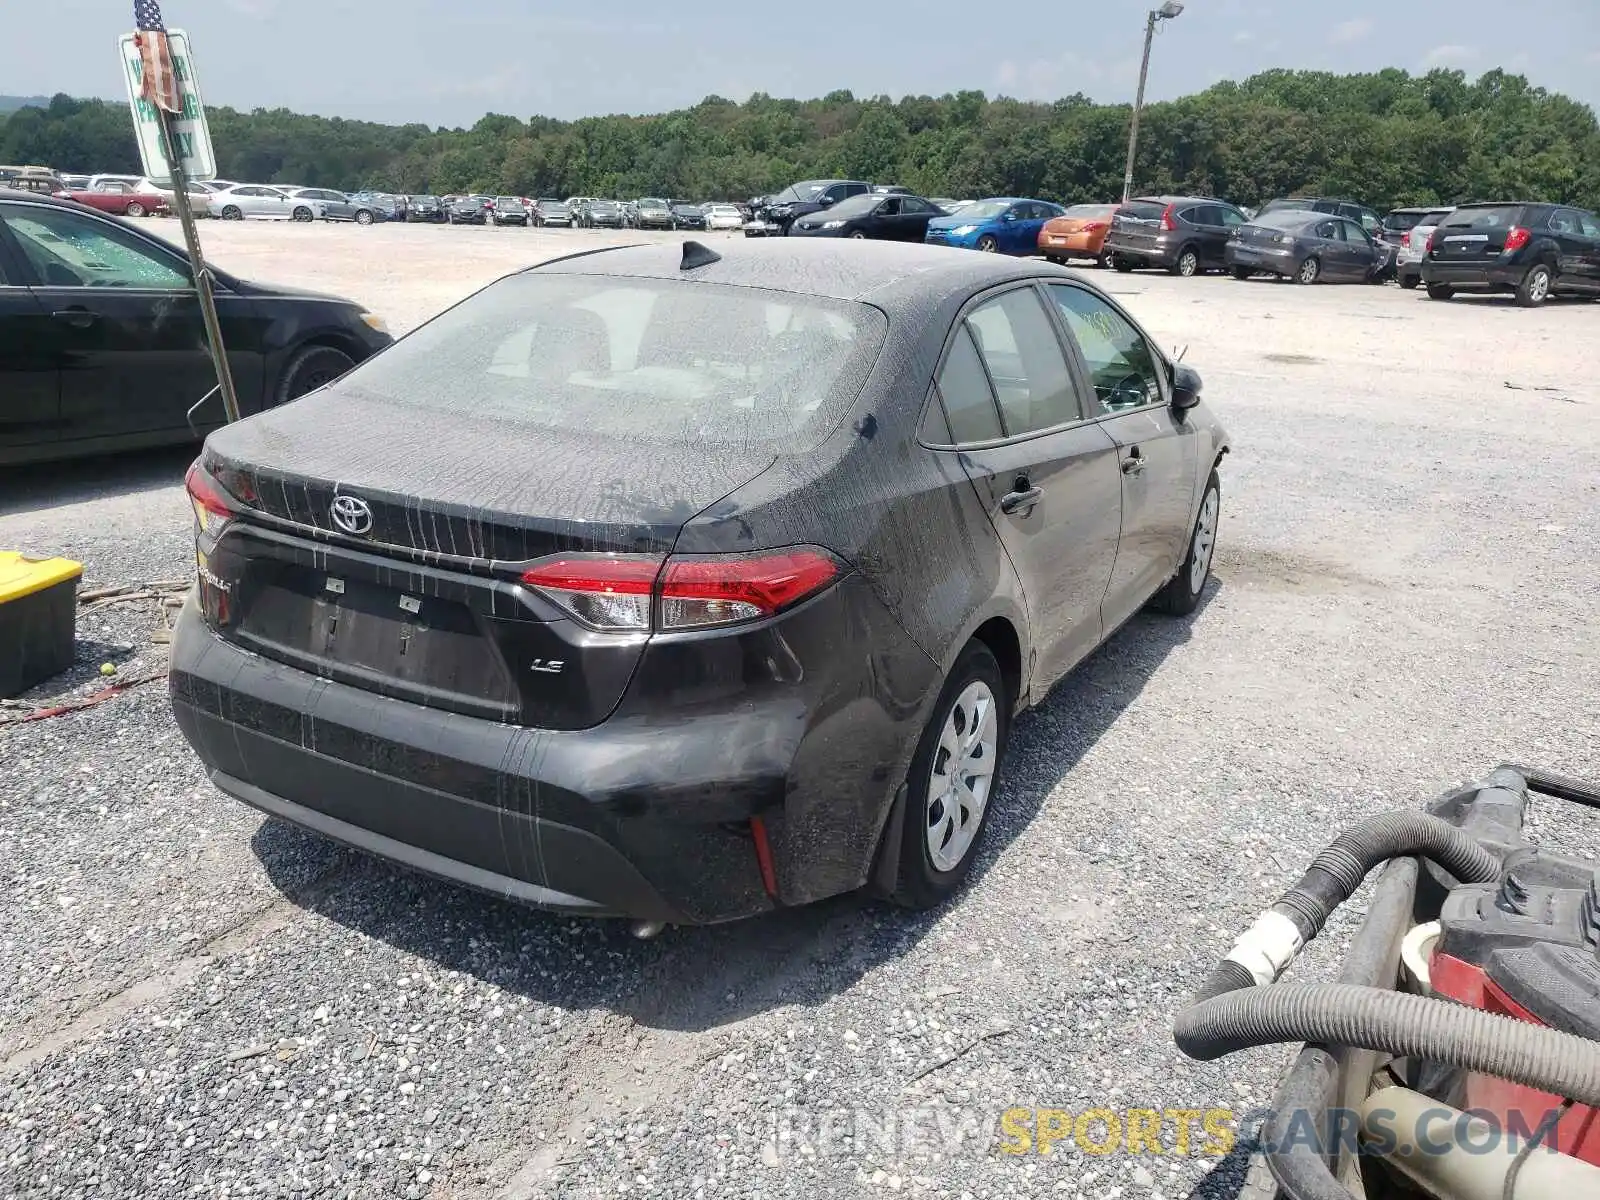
[
  {"x": 102, "y": 345},
  {"x": 685, "y": 586}
]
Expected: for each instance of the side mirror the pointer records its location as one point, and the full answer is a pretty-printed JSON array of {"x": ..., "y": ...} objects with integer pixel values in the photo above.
[
  {"x": 826, "y": 201},
  {"x": 1009, "y": 216},
  {"x": 1186, "y": 387}
]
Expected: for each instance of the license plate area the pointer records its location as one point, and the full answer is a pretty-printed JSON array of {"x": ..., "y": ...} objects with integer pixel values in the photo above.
[{"x": 430, "y": 648}]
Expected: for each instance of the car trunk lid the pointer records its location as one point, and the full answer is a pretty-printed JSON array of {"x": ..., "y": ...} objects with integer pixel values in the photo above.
[
  {"x": 1138, "y": 223},
  {"x": 1472, "y": 234},
  {"x": 392, "y": 561}
]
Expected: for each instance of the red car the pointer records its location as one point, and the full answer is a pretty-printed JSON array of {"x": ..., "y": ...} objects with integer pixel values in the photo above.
[{"x": 119, "y": 199}]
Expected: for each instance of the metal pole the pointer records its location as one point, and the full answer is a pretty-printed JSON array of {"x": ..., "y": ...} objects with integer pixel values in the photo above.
[
  {"x": 202, "y": 273},
  {"x": 1138, "y": 104}
]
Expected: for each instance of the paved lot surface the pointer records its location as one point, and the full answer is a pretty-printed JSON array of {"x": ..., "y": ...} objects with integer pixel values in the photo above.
[{"x": 197, "y": 1003}]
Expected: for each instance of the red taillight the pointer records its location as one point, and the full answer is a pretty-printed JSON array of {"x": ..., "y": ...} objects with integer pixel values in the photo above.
[
  {"x": 1405, "y": 238},
  {"x": 1167, "y": 223},
  {"x": 1433, "y": 239},
  {"x": 623, "y": 593},
  {"x": 1516, "y": 238},
  {"x": 206, "y": 495},
  {"x": 1091, "y": 227}
]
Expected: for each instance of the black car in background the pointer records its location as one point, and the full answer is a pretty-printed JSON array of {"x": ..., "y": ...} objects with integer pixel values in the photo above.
[
  {"x": 895, "y": 217},
  {"x": 685, "y": 586},
  {"x": 800, "y": 200},
  {"x": 1186, "y": 235},
  {"x": 510, "y": 210},
  {"x": 1534, "y": 251},
  {"x": 687, "y": 216},
  {"x": 426, "y": 208},
  {"x": 102, "y": 346},
  {"x": 1308, "y": 247},
  {"x": 551, "y": 212},
  {"x": 369, "y": 207},
  {"x": 470, "y": 210}
]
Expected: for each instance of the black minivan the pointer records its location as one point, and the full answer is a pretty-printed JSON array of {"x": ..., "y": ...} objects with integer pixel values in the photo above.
[{"x": 1532, "y": 250}]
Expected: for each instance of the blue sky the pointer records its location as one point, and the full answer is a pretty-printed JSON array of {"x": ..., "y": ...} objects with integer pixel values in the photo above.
[{"x": 446, "y": 62}]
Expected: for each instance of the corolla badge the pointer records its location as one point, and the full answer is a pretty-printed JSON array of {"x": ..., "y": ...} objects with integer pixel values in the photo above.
[{"x": 351, "y": 514}]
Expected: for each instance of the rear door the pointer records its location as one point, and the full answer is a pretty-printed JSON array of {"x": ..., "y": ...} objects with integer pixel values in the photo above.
[
  {"x": 29, "y": 373},
  {"x": 1047, "y": 477},
  {"x": 1158, "y": 456},
  {"x": 1575, "y": 249},
  {"x": 125, "y": 324}
]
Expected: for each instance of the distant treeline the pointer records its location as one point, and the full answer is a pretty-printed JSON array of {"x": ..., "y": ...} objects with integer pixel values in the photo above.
[{"x": 1388, "y": 138}]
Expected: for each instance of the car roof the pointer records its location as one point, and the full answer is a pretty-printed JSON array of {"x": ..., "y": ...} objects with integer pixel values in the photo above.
[{"x": 825, "y": 267}]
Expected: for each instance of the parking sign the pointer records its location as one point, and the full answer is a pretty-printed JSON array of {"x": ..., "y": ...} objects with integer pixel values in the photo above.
[{"x": 193, "y": 133}]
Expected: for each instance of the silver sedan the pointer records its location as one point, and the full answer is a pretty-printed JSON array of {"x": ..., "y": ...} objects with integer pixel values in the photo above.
[{"x": 258, "y": 201}]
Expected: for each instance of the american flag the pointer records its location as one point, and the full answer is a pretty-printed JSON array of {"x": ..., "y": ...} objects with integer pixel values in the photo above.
[{"x": 160, "y": 85}]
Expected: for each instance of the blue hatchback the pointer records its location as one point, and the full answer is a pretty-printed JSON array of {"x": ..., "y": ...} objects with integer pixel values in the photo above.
[{"x": 1004, "y": 224}]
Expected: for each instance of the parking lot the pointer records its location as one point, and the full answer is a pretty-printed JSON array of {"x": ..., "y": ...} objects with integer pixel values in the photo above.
[{"x": 194, "y": 1001}]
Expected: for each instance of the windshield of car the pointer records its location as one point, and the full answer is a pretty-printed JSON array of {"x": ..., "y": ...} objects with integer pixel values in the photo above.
[
  {"x": 659, "y": 359},
  {"x": 984, "y": 210},
  {"x": 854, "y": 206},
  {"x": 802, "y": 192}
]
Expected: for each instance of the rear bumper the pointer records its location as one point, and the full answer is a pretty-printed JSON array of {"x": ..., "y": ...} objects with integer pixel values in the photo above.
[
  {"x": 1150, "y": 254},
  {"x": 1075, "y": 245},
  {"x": 1490, "y": 276},
  {"x": 647, "y": 815},
  {"x": 1252, "y": 258}
]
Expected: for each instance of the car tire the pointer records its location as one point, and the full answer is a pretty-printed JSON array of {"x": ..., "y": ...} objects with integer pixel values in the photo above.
[
  {"x": 1409, "y": 282},
  {"x": 1102, "y": 262},
  {"x": 857, "y": 235},
  {"x": 1308, "y": 272},
  {"x": 303, "y": 215},
  {"x": 309, "y": 369},
  {"x": 1535, "y": 287},
  {"x": 135, "y": 209},
  {"x": 1182, "y": 594},
  {"x": 1241, "y": 273},
  {"x": 232, "y": 213},
  {"x": 1121, "y": 265},
  {"x": 987, "y": 244},
  {"x": 363, "y": 217},
  {"x": 1187, "y": 264},
  {"x": 974, "y": 695},
  {"x": 1440, "y": 291}
]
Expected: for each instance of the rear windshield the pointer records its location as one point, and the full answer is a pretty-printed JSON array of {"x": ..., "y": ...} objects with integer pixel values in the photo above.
[
  {"x": 1287, "y": 203},
  {"x": 1497, "y": 216},
  {"x": 1288, "y": 218},
  {"x": 672, "y": 361},
  {"x": 1143, "y": 210},
  {"x": 1403, "y": 221},
  {"x": 1090, "y": 211}
]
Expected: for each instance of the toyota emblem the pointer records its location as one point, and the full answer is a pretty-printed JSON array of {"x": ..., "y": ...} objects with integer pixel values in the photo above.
[{"x": 351, "y": 514}]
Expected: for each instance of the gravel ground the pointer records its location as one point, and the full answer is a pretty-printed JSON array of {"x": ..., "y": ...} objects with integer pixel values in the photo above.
[{"x": 194, "y": 1002}]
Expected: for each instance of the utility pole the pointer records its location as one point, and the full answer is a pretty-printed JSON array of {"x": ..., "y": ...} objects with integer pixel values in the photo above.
[{"x": 1165, "y": 13}]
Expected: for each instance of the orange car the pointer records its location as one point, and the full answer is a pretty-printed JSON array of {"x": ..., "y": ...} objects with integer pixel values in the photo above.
[{"x": 1078, "y": 233}]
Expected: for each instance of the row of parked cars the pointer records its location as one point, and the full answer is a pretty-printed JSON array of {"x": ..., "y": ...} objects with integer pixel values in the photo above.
[{"x": 1532, "y": 250}]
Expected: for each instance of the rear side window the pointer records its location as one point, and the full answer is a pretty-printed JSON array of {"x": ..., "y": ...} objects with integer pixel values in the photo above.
[
  {"x": 1025, "y": 361},
  {"x": 656, "y": 360},
  {"x": 1564, "y": 220},
  {"x": 1588, "y": 224},
  {"x": 969, "y": 406}
]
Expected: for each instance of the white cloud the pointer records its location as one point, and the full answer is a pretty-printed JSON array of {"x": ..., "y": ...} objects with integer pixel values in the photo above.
[
  {"x": 1351, "y": 31},
  {"x": 1243, "y": 37},
  {"x": 1449, "y": 55}
]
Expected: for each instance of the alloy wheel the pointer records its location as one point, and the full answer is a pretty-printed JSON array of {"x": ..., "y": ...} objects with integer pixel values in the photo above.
[
  {"x": 1205, "y": 540},
  {"x": 1188, "y": 263},
  {"x": 963, "y": 772}
]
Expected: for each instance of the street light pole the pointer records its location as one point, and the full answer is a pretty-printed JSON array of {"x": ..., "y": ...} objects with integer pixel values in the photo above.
[{"x": 1165, "y": 13}]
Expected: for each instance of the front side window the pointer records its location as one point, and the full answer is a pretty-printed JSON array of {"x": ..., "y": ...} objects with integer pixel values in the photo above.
[
  {"x": 1024, "y": 357},
  {"x": 67, "y": 249},
  {"x": 1124, "y": 367}
]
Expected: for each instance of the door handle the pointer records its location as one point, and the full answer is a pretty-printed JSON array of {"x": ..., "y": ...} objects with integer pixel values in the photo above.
[
  {"x": 1134, "y": 463},
  {"x": 1023, "y": 497},
  {"x": 78, "y": 318}
]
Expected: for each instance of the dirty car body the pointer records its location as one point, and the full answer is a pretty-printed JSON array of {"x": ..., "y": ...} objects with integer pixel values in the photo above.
[{"x": 642, "y": 601}]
